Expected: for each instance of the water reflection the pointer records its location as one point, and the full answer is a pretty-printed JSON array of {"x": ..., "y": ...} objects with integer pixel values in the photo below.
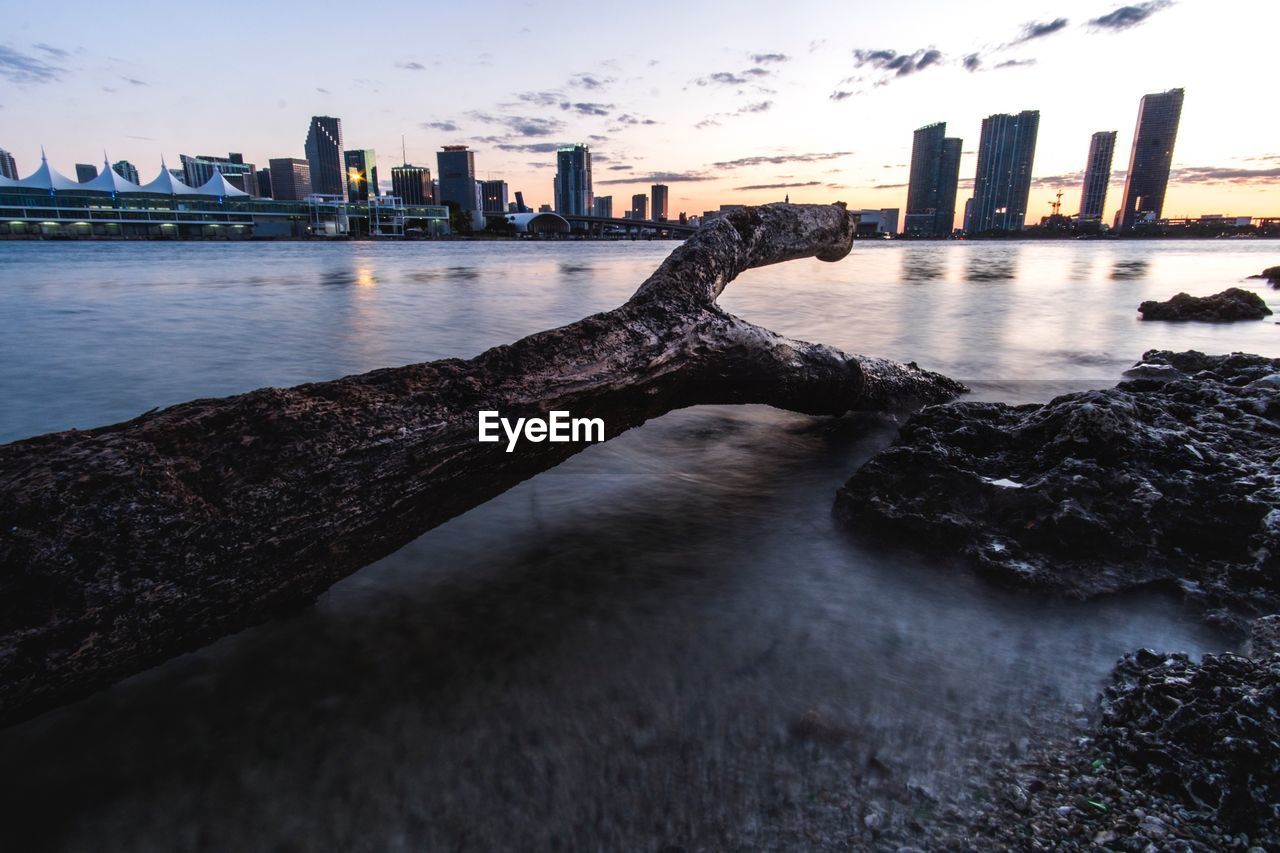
[
  {"x": 988, "y": 263},
  {"x": 1130, "y": 270},
  {"x": 921, "y": 263}
]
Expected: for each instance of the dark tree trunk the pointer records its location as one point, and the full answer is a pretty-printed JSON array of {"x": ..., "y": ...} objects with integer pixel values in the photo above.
[{"x": 126, "y": 545}]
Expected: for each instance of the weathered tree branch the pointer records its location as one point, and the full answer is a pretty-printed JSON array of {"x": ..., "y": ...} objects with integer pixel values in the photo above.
[{"x": 125, "y": 545}]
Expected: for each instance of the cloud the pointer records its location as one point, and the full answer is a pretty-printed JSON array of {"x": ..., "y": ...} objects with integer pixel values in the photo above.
[
  {"x": 318, "y": 89},
  {"x": 730, "y": 78},
  {"x": 888, "y": 186},
  {"x": 522, "y": 125},
  {"x": 18, "y": 67},
  {"x": 595, "y": 137},
  {"x": 840, "y": 95},
  {"x": 761, "y": 107},
  {"x": 51, "y": 50},
  {"x": 745, "y": 109},
  {"x": 1016, "y": 63},
  {"x": 1129, "y": 16},
  {"x": 532, "y": 147},
  {"x": 765, "y": 58},
  {"x": 586, "y": 109},
  {"x": 971, "y": 62},
  {"x": 446, "y": 126},
  {"x": 778, "y": 159},
  {"x": 136, "y": 82},
  {"x": 621, "y": 168},
  {"x": 1224, "y": 175},
  {"x": 411, "y": 66},
  {"x": 589, "y": 81},
  {"x": 897, "y": 64},
  {"x": 660, "y": 178},
  {"x": 628, "y": 119},
  {"x": 1036, "y": 30},
  {"x": 542, "y": 99},
  {"x": 777, "y": 186}
]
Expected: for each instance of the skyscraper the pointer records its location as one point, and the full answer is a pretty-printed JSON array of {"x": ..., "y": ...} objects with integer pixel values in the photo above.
[
  {"x": 602, "y": 206},
  {"x": 412, "y": 184},
  {"x": 1150, "y": 158},
  {"x": 324, "y": 156},
  {"x": 639, "y": 206},
  {"x": 196, "y": 170},
  {"x": 1003, "y": 179},
  {"x": 935, "y": 173},
  {"x": 126, "y": 170},
  {"x": 457, "y": 171},
  {"x": 86, "y": 172},
  {"x": 264, "y": 183},
  {"x": 290, "y": 179},
  {"x": 659, "y": 196},
  {"x": 8, "y": 168},
  {"x": 572, "y": 189},
  {"x": 1097, "y": 174},
  {"x": 362, "y": 173},
  {"x": 493, "y": 195}
]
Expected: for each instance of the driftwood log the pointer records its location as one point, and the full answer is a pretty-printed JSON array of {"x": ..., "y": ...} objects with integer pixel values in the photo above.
[{"x": 126, "y": 545}]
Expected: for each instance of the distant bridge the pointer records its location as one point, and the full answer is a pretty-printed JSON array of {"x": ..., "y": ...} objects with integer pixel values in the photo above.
[{"x": 597, "y": 224}]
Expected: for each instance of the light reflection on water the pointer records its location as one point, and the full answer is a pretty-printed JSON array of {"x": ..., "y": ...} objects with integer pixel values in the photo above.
[{"x": 617, "y": 653}]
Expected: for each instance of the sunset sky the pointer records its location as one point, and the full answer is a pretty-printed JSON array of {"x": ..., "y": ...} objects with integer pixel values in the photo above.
[{"x": 739, "y": 102}]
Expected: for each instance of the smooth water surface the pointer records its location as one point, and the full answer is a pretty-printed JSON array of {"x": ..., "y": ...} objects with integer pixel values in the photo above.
[{"x": 665, "y": 640}]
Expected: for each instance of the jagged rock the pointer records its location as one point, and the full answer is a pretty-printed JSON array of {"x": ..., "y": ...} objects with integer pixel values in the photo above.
[
  {"x": 1172, "y": 476},
  {"x": 1225, "y": 307},
  {"x": 1271, "y": 275}
]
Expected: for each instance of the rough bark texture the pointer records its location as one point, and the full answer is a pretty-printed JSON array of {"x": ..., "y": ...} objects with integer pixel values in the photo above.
[{"x": 125, "y": 545}]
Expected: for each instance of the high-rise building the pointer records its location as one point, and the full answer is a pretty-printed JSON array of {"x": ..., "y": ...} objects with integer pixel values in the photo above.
[
  {"x": 456, "y": 166},
  {"x": 264, "y": 183},
  {"x": 126, "y": 170},
  {"x": 1003, "y": 180},
  {"x": 200, "y": 168},
  {"x": 86, "y": 172},
  {"x": 324, "y": 156},
  {"x": 8, "y": 168},
  {"x": 1151, "y": 158},
  {"x": 362, "y": 173},
  {"x": 413, "y": 184},
  {"x": 659, "y": 196},
  {"x": 1097, "y": 174},
  {"x": 572, "y": 189},
  {"x": 290, "y": 179},
  {"x": 521, "y": 207},
  {"x": 639, "y": 206},
  {"x": 602, "y": 206},
  {"x": 493, "y": 196},
  {"x": 935, "y": 173}
]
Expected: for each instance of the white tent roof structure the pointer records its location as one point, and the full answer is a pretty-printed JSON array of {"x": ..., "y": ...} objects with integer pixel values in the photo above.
[
  {"x": 109, "y": 181},
  {"x": 48, "y": 178},
  {"x": 166, "y": 184},
  {"x": 7, "y": 182},
  {"x": 221, "y": 187}
]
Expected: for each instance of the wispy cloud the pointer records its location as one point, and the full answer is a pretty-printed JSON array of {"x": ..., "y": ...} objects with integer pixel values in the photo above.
[
  {"x": 542, "y": 99},
  {"x": 1129, "y": 16},
  {"x": 532, "y": 147},
  {"x": 1015, "y": 63},
  {"x": 521, "y": 125},
  {"x": 590, "y": 81},
  {"x": 730, "y": 78},
  {"x": 631, "y": 120},
  {"x": 1036, "y": 30},
  {"x": 660, "y": 178},
  {"x": 447, "y": 126},
  {"x": 586, "y": 108},
  {"x": 1224, "y": 175},
  {"x": 765, "y": 58},
  {"x": 972, "y": 62},
  {"x": 745, "y": 109},
  {"x": 17, "y": 67},
  {"x": 777, "y": 159},
  {"x": 56, "y": 52},
  {"x": 411, "y": 66},
  {"x": 777, "y": 186},
  {"x": 318, "y": 89},
  {"x": 897, "y": 64}
]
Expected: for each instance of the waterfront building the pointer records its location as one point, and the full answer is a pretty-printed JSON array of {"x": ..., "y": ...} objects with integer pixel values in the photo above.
[
  {"x": 521, "y": 207},
  {"x": 493, "y": 196},
  {"x": 456, "y": 167},
  {"x": 602, "y": 206},
  {"x": 658, "y": 195},
  {"x": 324, "y": 156},
  {"x": 1097, "y": 174},
  {"x": 8, "y": 168},
  {"x": 639, "y": 206},
  {"x": 263, "y": 177},
  {"x": 1002, "y": 183},
  {"x": 572, "y": 193},
  {"x": 1150, "y": 158},
  {"x": 545, "y": 208},
  {"x": 362, "y": 173},
  {"x": 200, "y": 168},
  {"x": 413, "y": 184},
  {"x": 126, "y": 170},
  {"x": 877, "y": 223},
  {"x": 86, "y": 172},
  {"x": 931, "y": 190},
  {"x": 290, "y": 178}
]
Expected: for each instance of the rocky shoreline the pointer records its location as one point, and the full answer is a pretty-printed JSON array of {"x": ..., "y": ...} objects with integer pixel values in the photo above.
[
  {"x": 1172, "y": 478},
  {"x": 1226, "y": 307}
]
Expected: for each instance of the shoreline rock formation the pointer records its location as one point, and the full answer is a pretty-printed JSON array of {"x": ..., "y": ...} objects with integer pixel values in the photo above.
[
  {"x": 1226, "y": 307},
  {"x": 125, "y": 545}
]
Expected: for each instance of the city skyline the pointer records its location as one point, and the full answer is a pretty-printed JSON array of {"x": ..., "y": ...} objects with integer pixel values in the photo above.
[{"x": 800, "y": 111}]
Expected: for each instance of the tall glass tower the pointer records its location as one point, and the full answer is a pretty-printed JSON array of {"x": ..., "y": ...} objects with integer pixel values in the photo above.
[
  {"x": 573, "y": 196},
  {"x": 1003, "y": 180},
  {"x": 1151, "y": 157},
  {"x": 456, "y": 167},
  {"x": 325, "y": 157},
  {"x": 931, "y": 191},
  {"x": 362, "y": 173},
  {"x": 1097, "y": 174}
]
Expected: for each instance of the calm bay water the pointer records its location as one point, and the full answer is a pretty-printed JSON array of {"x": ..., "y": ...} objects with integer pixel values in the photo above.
[{"x": 628, "y": 651}]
